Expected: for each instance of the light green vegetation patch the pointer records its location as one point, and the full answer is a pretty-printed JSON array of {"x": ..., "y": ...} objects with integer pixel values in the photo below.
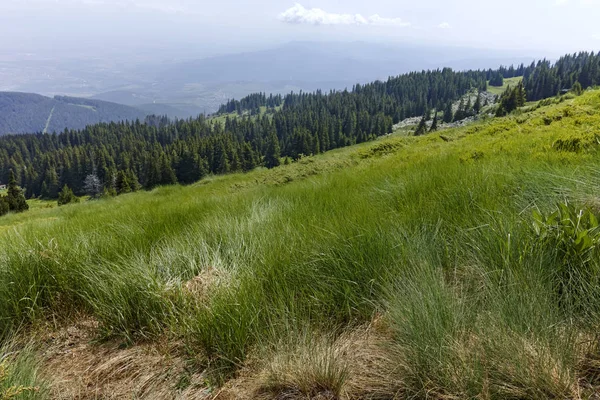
[{"x": 498, "y": 90}]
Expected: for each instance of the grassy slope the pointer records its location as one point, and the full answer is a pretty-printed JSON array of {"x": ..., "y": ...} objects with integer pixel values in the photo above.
[
  {"x": 498, "y": 90},
  {"x": 431, "y": 235}
]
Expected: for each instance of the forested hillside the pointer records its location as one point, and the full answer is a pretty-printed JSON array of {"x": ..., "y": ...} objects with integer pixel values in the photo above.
[
  {"x": 31, "y": 113},
  {"x": 542, "y": 79},
  {"x": 545, "y": 79},
  {"x": 162, "y": 153},
  {"x": 132, "y": 155}
]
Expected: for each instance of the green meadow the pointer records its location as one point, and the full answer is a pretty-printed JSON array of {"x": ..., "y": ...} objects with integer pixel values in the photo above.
[
  {"x": 460, "y": 264},
  {"x": 512, "y": 82}
]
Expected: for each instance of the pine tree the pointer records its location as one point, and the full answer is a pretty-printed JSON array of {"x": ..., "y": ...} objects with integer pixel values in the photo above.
[
  {"x": 448, "y": 116},
  {"x": 434, "y": 125},
  {"x": 122, "y": 185},
  {"x": 15, "y": 198},
  {"x": 477, "y": 105},
  {"x": 167, "y": 174},
  {"x": 66, "y": 196},
  {"x": 134, "y": 182},
  {"x": 221, "y": 164},
  {"x": 577, "y": 88},
  {"x": 460, "y": 111},
  {"x": 50, "y": 186},
  {"x": 422, "y": 127},
  {"x": 4, "y": 208},
  {"x": 273, "y": 154},
  {"x": 187, "y": 168},
  {"x": 249, "y": 159}
]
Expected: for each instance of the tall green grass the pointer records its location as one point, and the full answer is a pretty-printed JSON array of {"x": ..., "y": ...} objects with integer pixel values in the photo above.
[{"x": 435, "y": 234}]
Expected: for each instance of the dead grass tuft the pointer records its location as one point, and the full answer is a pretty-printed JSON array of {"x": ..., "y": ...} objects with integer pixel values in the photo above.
[
  {"x": 201, "y": 286},
  {"x": 359, "y": 364},
  {"x": 80, "y": 369}
]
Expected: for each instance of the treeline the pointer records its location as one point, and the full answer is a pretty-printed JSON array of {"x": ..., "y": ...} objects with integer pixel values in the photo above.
[
  {"x": 544, "y": 79},
  {"x": 511, "y": 99},
  {"x": 251, "y": 103},
  {"x": 120, "y": 157}
]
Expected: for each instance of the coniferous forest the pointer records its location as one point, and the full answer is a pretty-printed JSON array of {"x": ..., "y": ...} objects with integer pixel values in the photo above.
[{"x": 119, "y": 158}]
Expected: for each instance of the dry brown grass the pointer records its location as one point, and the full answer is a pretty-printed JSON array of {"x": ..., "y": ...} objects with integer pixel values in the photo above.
[
  {"x": 359, "y": 364},
  {"x": 80, "y": 369},
  {"x": 205, "y": 283}
]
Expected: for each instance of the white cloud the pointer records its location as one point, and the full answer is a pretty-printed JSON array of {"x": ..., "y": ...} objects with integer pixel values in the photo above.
[
  {"x": 596, "y": 36},
  {"x": 316, "y": 16},
  {"x": 561, "y": 2},
  {"x": 444, "y": 25}
]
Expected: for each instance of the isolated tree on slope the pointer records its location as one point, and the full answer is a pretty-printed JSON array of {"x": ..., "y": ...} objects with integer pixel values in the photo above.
[
  {"x": 92, "y": 186},
  {"x": 16, "y": 199},
  {"x": 422, "y": 127},
  {"x": 66, "y": 196},
  {"x": 434, "y": 125}
]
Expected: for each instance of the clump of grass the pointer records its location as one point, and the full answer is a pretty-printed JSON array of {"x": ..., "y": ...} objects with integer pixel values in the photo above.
[
  {"x": 311, "y": 368},
  {"x": 19, "y": 375}
]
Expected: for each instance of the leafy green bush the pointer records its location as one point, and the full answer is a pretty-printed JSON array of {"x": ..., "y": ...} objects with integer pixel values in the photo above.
[{"x": 574, "y": 232}]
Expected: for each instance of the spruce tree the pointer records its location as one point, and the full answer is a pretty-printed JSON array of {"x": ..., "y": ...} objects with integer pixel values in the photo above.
[
  {"x": 134, "y": 182},
  {"x": 460, "y": 112},
  {"x": 167, "y": 174},
  {"x": 16, "y": 199},
  {"x": 122, "y": 185},
  {"x": 66, "y": 196},
  {"x": 50, "y": 186},
  {"x": 448, "y": 116},
  {"x": 273, "y": 154},
  {"x": 4, "y": 208},
  {"x": 249, "y": 159},
  {"x": 422, "y": 127},
  {"x": 577, "y": 88},
  {"x": 477, "y": 105},
  {"x": 434, "y": 125}
]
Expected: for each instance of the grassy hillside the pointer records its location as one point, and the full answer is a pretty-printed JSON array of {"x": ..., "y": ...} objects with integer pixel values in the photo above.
[
  {"x": 408, "y": 267},
  {"x": 32, "y": 113}
]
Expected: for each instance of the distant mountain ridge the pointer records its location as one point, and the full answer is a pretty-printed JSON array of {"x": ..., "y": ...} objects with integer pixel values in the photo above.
[{"x": 32, "y": 113}]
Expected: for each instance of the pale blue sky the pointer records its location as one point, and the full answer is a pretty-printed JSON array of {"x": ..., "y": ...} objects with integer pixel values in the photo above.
[{"x": 549, "y": 26}]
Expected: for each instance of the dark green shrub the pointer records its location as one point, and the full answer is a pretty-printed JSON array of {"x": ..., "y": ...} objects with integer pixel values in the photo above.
[{"x": 66, "y": 196}]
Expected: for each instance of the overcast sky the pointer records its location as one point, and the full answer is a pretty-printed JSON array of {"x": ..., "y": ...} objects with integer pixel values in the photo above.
[{"x": 55, "y": 26}]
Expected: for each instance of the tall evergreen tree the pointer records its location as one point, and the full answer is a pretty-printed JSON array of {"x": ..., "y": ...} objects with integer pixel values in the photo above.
[
  {"x": 477, "y": 105},
  {"x": 434, "y": 124},
  {"x": 122, "y": 185},
  {"x": 273, "y": 154},
  {"x": 249, "y": 158},
  {"x": 422, "y": 127},
  {"x": 15, "y": 197},
  {"x": 448, "y": 115},
  {"x": 4, "y": 207}
]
